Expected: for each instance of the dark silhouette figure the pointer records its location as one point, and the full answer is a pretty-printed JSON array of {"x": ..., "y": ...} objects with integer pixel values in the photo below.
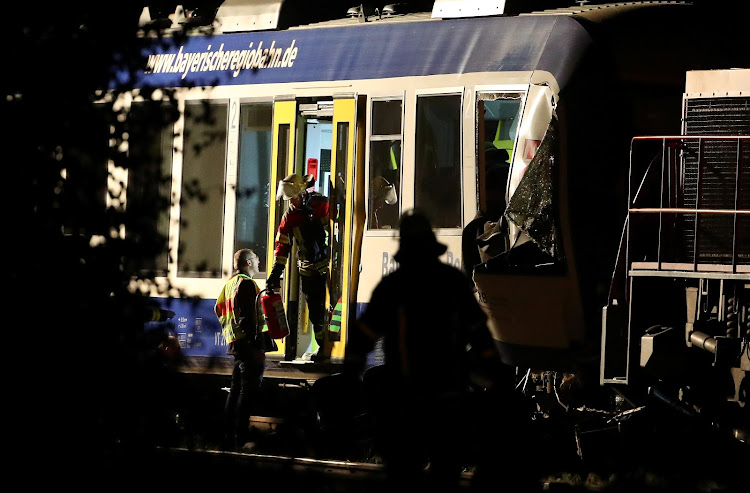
[{"x": 433, "y": 330}]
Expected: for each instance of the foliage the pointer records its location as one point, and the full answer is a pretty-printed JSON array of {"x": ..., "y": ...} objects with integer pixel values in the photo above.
[{"x": 86, "y": 376}]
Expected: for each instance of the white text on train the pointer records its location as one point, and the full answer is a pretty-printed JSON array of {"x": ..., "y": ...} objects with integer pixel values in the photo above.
[
  {"x": 389, "y": 263},
  {"x": 220, "y": 60}
]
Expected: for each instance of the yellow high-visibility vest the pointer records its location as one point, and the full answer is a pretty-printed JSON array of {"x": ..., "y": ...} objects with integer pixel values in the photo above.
[{"x": 225, "y": 308}]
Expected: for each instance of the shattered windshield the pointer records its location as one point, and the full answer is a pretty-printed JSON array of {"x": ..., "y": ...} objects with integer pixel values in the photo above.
[{"x": 532, "y": 207}]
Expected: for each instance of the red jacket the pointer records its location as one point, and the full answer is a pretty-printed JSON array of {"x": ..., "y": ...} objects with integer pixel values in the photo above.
[{"x": 308, "y": 225}]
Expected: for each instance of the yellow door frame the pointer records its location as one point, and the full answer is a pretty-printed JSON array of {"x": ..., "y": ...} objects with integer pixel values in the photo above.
[
  {"x": 344, "y": 111},
  {"x": 284, "y": 114}
]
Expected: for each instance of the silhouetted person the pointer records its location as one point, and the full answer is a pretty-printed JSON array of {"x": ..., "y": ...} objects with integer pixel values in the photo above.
[{"x": 429, "y": 318}]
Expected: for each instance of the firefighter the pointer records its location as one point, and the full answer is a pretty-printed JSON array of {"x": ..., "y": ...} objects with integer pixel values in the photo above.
[
  {"x": 383, "y": 194},
  {"x": 306, "y": 222}
]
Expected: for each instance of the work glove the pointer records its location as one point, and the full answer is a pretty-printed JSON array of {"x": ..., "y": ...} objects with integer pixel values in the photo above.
[{"x": 274, "y": 280}]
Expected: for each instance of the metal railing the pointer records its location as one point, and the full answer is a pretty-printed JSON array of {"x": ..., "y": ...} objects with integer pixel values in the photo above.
[{"x": 689, "y": 204}]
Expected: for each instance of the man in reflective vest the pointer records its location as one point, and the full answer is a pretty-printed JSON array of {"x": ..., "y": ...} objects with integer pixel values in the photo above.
[
  {"x": 241, "y": 324},
  {"x": 306, "y": 222}
]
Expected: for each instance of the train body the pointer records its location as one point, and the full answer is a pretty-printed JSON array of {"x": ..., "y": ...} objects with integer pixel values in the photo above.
[{"x": 511, "y": 131}]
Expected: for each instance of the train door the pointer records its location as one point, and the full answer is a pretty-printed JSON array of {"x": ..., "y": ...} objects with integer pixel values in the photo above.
[
  {"x": 282, "y": 164},
  {"x": 317, "y": 136},
  {"x": 343, "y": 165}
]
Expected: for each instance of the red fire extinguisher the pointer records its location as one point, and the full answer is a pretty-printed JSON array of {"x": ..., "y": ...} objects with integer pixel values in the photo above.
[{"x": 273, "y": 311}]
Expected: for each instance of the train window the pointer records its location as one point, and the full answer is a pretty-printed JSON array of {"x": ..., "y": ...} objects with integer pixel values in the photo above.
[
  {"x": 386, "y": 117},
  {"x": 385, "y": 164},
  {"x": 253, "y": 179},
  {"x": 85, "y": 158},
  {"x": 437, "y": 179},
  {"x": 497, "y": 116},
  {"x": 318, "y": 135},
  {"x": 150, "y": 130},
  {"x": 338, "y": 203},
  {"x": 282, "y": 161},
  {"x": 202, "y": 196}
]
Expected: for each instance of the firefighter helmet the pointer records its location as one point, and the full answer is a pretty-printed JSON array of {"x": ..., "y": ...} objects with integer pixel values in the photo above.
[
  {"x": 293, "y": 185},
  {"x": 417, "y": 240}
]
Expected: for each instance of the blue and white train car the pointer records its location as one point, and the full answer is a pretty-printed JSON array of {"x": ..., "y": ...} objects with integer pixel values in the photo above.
[{"x": 516, "y": 125}]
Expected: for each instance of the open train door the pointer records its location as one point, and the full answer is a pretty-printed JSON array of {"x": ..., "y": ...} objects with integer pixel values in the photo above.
[
  {"x": 282, "y": 164},
  {"x": 343, "y": 229}
]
